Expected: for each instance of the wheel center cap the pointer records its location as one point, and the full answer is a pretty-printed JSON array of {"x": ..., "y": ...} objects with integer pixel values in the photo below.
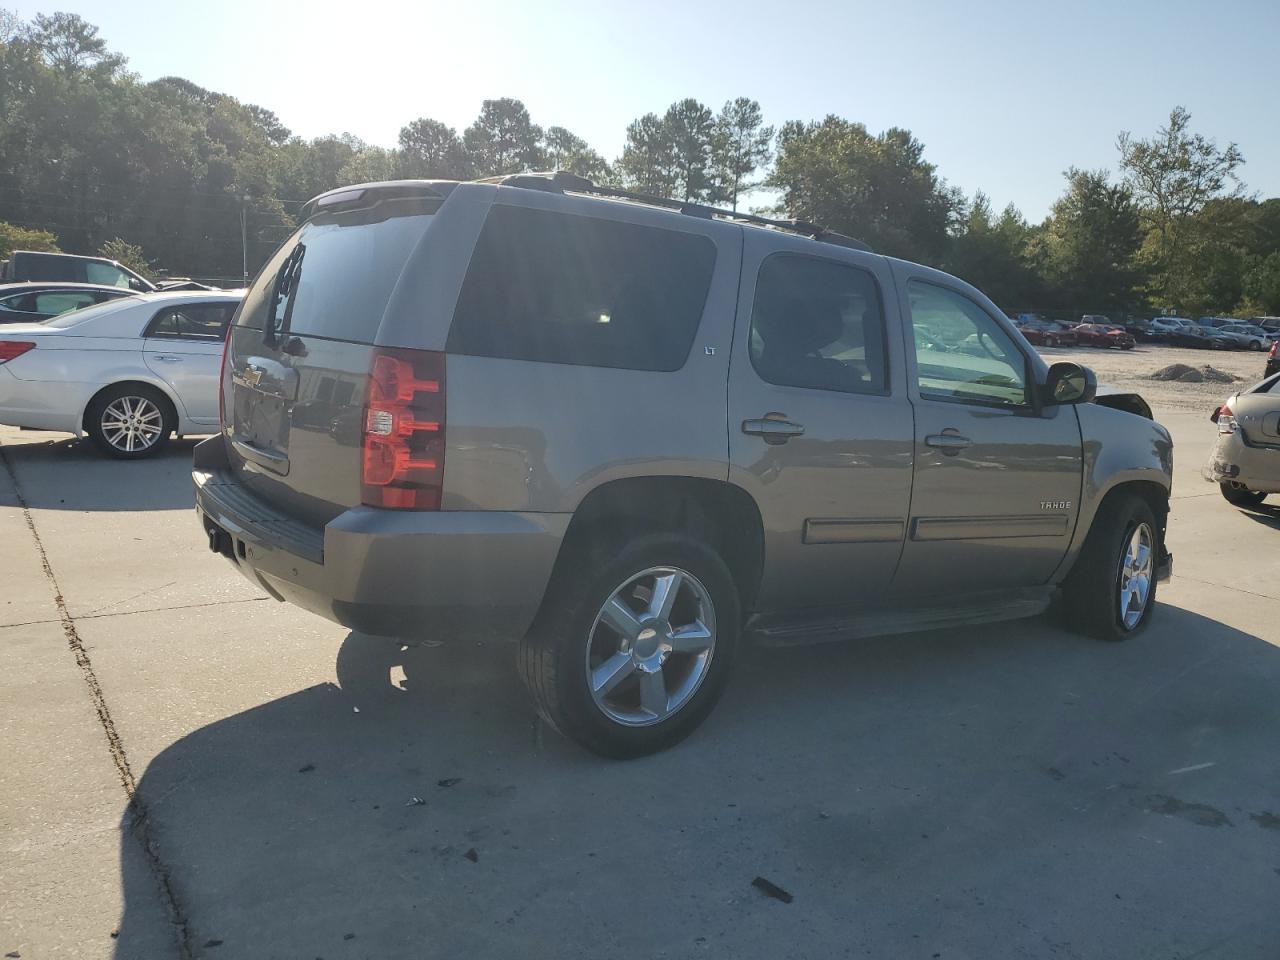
[{"x": 650, "y": 640}]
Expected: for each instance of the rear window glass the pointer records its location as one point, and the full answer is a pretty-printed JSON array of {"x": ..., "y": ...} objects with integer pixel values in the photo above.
[
  {"x": 559, "y": 288},
  {"x": 344, "y": 270}
]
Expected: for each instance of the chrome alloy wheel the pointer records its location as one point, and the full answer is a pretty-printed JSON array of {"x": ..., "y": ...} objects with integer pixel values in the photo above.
[
  {"x": 132, "y": 424},
  {"x": 650, "y": 646},
  {"x": 1136, "y": 565}
]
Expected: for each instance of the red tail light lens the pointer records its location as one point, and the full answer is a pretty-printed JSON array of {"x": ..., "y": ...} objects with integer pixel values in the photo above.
[
  {"x": 403, "y": 458},
  {"x": 12, "y": 349},
  {"x": 1273, "y": 347},
  {"x": 222, "y": 375},
  {"x": 1226, "y": 419}
]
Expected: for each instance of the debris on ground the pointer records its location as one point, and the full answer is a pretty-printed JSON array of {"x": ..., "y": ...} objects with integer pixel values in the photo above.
[
  {"x": 213, "y": 943},
  {"x": 1185, "y": 373},
  {"x": 770, "y": 889},
  {"x": 1214, "y": 375},
  {"x": 416, "y": 802},
  {"x": 448, "y": 781},
  {"x": 472, "y": 855},
  {"x": 307, "y": 768}
]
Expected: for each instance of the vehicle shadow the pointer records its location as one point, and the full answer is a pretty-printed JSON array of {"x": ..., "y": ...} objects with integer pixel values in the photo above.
[
  {"x": 1266, "y": 514},
  {"x": 1001, "y": 791},
  {"x": 71, "y": 474}
]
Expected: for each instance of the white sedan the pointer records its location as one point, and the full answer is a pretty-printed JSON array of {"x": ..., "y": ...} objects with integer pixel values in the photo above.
[{"x": 129, "y": 373}]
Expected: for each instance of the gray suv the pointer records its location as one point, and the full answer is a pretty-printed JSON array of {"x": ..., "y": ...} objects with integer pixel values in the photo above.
[{"x": 631, "y": 432}]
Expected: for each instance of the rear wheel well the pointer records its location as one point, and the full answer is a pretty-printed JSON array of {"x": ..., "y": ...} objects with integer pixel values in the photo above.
[
  {"x": 714, "y": 511},
  {"x": 172, "y": 408}
]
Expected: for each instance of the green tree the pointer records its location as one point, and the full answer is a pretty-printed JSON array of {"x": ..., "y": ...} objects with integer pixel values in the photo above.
[
  {"x": 503, "y": 139},
  {"x": 129, "y": 254},
  {"x": 741, "y": 145},
  {"x": 1262, "y": 285},
  {"x": 567, "y": 151},
  {"x": 1173, "y": 175},
  {"x": 73, "y": 45},
  {"x": 431, "y": 150},
  {"x": 20, "y": 238},
  {"x": 691, "y": 128},
  {"x": 1092, "y": 240},
  {"x": 879, "y": 188},
  {"x": 995, "y": 254},
  {"x": 648, "y": 162}
]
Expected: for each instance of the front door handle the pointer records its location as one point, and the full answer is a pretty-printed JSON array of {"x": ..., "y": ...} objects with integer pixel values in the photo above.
[
  {"x": 167, "y": 358},
  {"x": 949, "y": 442},
  {"x": 773, "y": 427}
]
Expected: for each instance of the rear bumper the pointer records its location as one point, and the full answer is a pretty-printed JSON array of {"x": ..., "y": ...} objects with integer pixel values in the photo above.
[
  {"x": 446, "y": 575},
  {"x": 1255, "y": 467}
]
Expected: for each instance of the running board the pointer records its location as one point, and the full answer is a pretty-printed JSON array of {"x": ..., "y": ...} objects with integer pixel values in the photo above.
[{"x": 774, "y": 631}]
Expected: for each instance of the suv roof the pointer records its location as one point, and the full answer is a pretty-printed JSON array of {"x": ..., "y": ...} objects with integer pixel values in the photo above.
[{"x": 563, "y": 182}]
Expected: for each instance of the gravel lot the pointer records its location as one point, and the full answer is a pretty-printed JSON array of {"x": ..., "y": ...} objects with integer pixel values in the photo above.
[
  {"x": 1132, "y": 369},
  {"x": 193, "y": 770}
]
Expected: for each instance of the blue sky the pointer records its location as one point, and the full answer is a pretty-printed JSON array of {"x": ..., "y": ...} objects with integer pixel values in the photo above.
[{"x": 1004, "y": 95}]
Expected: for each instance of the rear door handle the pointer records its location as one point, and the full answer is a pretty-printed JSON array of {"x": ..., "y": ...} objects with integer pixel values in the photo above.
[
  {"x": 773, "y": 427},
  {"x": 166, "y": 358},
  {"x": 949, "y": 442}
]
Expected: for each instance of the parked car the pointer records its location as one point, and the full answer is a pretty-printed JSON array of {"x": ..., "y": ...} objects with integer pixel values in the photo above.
[
  {"x": 1245, "y": 462},
  {"x": 1142, "y": 330},
  {"x": 41, "y": 266},
  {"x": 1104, "y": 335},
  {"x": 541, "y": 383},
  {"x": 1245, "y": 336},
  {"x": 36, "y": 302},
  {"x": 129, "y": 372},
  {"x": 1167, "y": 325},
  {"x": 1197, "y": 337},
  {"x": 1042, "y": 333}
]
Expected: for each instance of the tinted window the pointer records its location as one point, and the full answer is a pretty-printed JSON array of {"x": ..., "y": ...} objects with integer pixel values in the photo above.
[
  {"x": 106, "y": 275},
  {"x": 55, "y": 303},
  {"x": 22, "y": 302},
  {"x": 342, "y": 271},
  {"x": 49, "y": 268},
  {"x": 817, "y": 323},
  {"x": 193, "y": 321},
  {"x": 568, "y": 289},
  {"x": 961, "y": 352}
]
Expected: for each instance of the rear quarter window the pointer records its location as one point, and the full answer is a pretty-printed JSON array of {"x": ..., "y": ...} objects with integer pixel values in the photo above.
[{"x": 562, "y": 288}]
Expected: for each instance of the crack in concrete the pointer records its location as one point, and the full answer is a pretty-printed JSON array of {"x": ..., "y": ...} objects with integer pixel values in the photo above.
[
  {"x": 141, "y": 825},
  {"x": 131, "y": 613}
]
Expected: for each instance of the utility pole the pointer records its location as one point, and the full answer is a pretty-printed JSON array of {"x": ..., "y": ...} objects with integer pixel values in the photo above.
[{"x": 244, "y": 242}]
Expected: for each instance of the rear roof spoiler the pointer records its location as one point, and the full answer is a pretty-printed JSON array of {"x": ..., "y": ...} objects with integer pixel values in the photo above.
[{"x": 363, "y": 195}]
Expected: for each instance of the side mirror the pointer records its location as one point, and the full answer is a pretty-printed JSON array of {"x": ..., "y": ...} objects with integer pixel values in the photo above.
[{"x": 1069, "y": 383}]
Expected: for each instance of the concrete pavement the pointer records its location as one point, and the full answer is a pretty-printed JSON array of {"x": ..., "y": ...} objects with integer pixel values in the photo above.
[{"x": 207, "y": 773}]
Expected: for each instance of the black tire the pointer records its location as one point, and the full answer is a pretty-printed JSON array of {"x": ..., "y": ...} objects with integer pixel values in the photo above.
[
  {"x": 1240, "y": 496},
  {"x": 553, "y": 655},
  {"x": 1254, "y": 345},
  {"x": 1091, "y": 593},
  {"x": 97, "y": 407}
]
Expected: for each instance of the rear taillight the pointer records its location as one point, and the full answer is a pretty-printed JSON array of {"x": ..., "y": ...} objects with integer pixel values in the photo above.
[
  {"x": 402, "y": 466},
  {"x": 1226, "y": 419},
  {"x": 12, "y": 349},
  {"x": 222, "y": 374}
]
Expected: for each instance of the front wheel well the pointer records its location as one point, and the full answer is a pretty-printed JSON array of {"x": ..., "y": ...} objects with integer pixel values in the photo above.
[
  {"x": 721, "y": 514},
  {"x": 1156, "y": 496},
  {"x": 149, "y": 387}
]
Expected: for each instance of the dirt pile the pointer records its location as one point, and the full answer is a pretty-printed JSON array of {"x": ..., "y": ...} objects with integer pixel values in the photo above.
[{"x": 1185, "y": 373}]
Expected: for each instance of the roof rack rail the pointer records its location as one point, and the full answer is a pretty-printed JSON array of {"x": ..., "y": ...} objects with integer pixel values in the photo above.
[{"x": 562, "y": 181}]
